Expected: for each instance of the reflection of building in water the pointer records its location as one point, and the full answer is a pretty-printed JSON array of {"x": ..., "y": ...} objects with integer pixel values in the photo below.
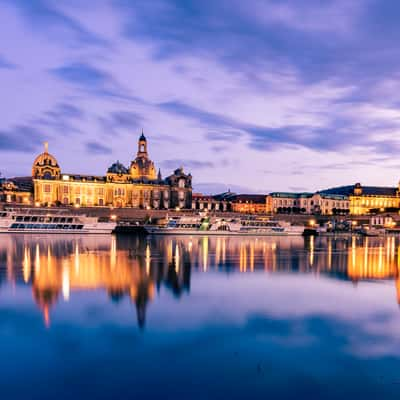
[
  {"x": 137, "y": 268},
  {"x": 57, "y": 268}
]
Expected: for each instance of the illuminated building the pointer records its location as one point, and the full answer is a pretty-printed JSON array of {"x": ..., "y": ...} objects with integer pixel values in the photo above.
[
  {"x": 307, "y": 203},
  {"x": 138, "y": 186},
  {"x": 364, "y": 199},
  {"x": 16, "y": 190}
]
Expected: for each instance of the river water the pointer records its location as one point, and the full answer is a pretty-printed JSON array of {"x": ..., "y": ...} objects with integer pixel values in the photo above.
[{"x": 112, "y": 317}]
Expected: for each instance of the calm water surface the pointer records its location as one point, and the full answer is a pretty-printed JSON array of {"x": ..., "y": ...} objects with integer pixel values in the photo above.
[{"x": 199, "y": 318}]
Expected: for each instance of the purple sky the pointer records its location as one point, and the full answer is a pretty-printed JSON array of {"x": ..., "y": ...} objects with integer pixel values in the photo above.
[{"x": 249, "y": 95}]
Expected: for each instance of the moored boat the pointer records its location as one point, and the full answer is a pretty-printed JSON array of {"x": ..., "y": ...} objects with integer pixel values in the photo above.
[
  {"x": 198, "y": 225},
  {"x": 36, "y": 220}
]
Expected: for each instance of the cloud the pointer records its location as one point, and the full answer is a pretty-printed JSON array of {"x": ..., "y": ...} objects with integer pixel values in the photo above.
[
  {"x": 116, "y": 121},
  {"x": 62, "y": 119},
  {"x": 20, "y": 138},
  {"x": 188, "y": 164},
  {"x": 44, "y": 17},
  {"x": 97, "y": 148},
  {"x": 83, "y": 75},
  {"x": 5, "y": 64}
]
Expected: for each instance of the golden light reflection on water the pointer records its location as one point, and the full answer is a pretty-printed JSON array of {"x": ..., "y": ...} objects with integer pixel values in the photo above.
[{"x": 136, "y": 268}]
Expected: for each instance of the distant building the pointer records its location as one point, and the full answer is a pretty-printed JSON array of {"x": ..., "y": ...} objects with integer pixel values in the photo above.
[
  {"x": 202, "y": 202},
  {"x": 365, "y": 199},
  {"x": 307, "y": 203},
  {"x": 16, "y": 190},
  {"x": 249, "y": 203},
  {"x": 138, "y": 186},
  {"x": 229, "y": 201}
]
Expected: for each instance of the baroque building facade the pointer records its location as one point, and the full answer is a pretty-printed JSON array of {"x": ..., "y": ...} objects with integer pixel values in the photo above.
[
  {"x": 307, "y": 203},
  {"x": 138, "y": 186}
]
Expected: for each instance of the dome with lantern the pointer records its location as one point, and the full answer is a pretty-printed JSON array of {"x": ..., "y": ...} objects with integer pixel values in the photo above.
[{"x": 45, "y": 165}]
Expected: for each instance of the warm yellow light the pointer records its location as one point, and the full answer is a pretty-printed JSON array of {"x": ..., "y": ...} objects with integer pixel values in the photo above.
[
  {"x": 113, "y": 217},
  {"x": 354, "y": 223},
  {"x": 77, "y": 205},
  {"x": 37, "y": 204},
  {"x": 177, "y": 209},
  {"x": 311, "y": 222},
  {"x": 148, "y": 208}
]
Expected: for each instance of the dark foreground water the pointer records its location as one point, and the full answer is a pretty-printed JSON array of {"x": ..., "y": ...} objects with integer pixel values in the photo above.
[{"x": 199, "y": 318}]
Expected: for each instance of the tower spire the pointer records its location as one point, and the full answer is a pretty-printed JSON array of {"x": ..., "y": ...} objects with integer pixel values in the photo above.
[{"x": 46, "y": 147}]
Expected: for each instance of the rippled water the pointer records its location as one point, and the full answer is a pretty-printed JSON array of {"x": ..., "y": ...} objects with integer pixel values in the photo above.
[{"x": 199, "y": 318}]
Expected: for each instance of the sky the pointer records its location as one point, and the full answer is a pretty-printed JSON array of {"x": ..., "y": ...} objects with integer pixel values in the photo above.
[{"x": 253, "y": 96}]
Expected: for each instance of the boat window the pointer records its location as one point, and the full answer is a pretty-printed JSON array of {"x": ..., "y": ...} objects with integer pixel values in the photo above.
[
  {"x": 41, "y": 219},
  {"x": 26, "y": 219},
  {"x": 14, "y": 226},
  {"x": 48, "y": 219},
  {"x": 79, "y": 227},
  {"x": 56, "y": 219},
  {"x": 19, "y": 218},
  {"x": 34, "y": 219},
  {"x": 59, "y": 226},
  {"x": 62, "y": 220},
  {"x": 65, "y": 226},
  {"x": 69, "y": 220}
]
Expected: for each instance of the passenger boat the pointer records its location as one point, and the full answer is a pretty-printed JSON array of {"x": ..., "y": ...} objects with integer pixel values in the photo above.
[
  {"x": 197, "y": 225},
  {"x": 36, "y": 220}
]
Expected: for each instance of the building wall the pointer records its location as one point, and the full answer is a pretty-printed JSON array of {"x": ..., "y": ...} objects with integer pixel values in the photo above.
[
  {"x": 249, "y": 207},
  {"x": 362, "y": 204},
  {"x": 309, "y": 204},
  {"x": 110, "y": 194}
]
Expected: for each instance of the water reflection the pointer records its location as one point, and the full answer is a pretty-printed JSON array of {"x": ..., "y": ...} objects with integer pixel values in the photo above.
[{"x": 56, "y": 267}]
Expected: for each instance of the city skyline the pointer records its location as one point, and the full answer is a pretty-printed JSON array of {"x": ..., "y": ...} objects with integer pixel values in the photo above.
[{"x": 257, "y": 98}]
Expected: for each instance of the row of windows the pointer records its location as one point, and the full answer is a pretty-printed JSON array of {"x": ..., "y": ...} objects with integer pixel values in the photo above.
[
  {"x": 20, "y": 218},
  {"x": 325, "y": 203},
  {"x": 378, "y": 203},
  {"x": 77, "y": 190},
  {"x": 46, "y": 226}
]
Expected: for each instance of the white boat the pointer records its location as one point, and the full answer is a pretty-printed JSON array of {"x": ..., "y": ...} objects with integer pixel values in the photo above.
[
  {"x": 197, "y": 225},
  {"x": 36, "y": 220}
]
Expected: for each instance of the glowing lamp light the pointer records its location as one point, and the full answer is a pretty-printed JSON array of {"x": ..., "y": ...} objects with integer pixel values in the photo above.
[
  {"x": 77, "y": 205},
  {"x": 311, "y": 222},
  {"x": 177, "y": 209},
  {"x": 37, "y": 204},
  {"x": 113, "y": 217}
]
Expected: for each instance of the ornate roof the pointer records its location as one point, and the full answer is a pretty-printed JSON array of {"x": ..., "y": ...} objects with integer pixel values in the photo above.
[
  {"x": 45, "y": 158},
  {"x": 118, "y": 168}
]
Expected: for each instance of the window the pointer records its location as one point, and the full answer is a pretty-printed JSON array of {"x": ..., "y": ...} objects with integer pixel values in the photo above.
[
  {"x": 181, "y": 183},
  {"x": 100, "y": 191},
  {"x": 65, "y": 189},
  {"x": 101, "y": 202},
  {"x": 65, "y": 200},
  {"x": 78, "y": 200},
  {"x": 47, "y": 188}
]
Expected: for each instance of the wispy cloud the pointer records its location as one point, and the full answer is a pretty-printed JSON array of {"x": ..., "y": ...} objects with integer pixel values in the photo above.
[
  {"x": 20, "y": 138},
  {"x": 97, "y": 148},
  {"x": 5, "y": 64}
]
